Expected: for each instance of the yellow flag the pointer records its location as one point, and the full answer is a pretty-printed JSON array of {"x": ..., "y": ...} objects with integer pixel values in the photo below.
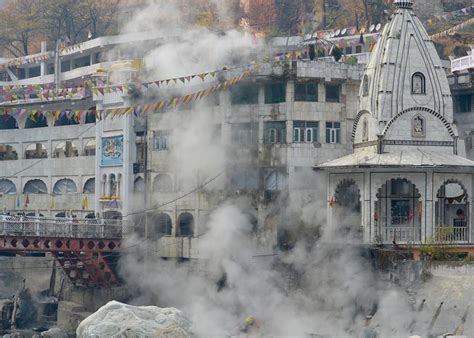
[{"x": 52, "y": 202}]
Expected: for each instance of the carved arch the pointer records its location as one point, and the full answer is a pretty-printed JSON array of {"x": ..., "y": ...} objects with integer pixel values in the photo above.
[
  {"x": 356, "y": 122},
  {"x": 420, "y": 109}
]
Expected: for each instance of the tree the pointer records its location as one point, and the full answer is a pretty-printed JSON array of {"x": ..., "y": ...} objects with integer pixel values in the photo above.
[
  {"x": 25, "y": 23},
  {"x": 20, "y": 27},
  {"x": 74, "y": 19}
]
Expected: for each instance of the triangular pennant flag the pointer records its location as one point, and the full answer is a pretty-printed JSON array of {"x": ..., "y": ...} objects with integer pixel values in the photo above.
[
  {"x": 52, "y": 206},
  {"x": 27, "y": 200}
]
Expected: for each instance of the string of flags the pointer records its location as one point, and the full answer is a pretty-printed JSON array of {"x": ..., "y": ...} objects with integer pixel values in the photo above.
[
  {"x": 453, "y": 30},
  {"x": 48, "y": 92},
  {"x": 24, "y": 60},
  {"x": 37, "y": 114},
  {"x": 449, "y": 16}
]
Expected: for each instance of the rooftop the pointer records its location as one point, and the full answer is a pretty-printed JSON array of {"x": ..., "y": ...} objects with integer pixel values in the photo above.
[{"x": 408, "y": 158}]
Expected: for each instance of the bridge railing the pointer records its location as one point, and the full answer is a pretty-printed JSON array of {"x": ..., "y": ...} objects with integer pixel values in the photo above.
[{"x": 61, "y": 227}]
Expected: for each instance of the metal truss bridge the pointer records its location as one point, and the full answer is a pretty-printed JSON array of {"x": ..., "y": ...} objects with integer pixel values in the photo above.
[{"x": 87, "y": 249}]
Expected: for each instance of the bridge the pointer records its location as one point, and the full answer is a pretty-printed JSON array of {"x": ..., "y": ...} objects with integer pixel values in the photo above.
[{"x": 87, "y": 249}]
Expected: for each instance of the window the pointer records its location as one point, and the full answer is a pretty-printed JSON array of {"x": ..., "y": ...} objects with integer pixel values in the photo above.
[
  {"x": 160, "y": 140},
  {"x": 365, "y": 85},
  {"x": 8, "y": 122},
  {"x": 81, "y": 62},
  {"x": 275, "y": 93},
  {"x": 65, "y": 66},
  {"x": 274, "y": 179},
  {"x": 245, "y": 179},
  {"x": 274, "y": 132},
  {"x": 333, "y": 132},
  {"x": 245, "y": 133},
  {"x": 305, "y": 132},
  {"x": 65, "y": 186},
  {"x": 244, "y": 94},
  {"x": 418, "y": 84},
  {"x": 332, "y": 93},
  {"x": 358, "y": 49},
  {"x": 465, "y": 103},
  {"x": 34, "y": 72},
  {"x": 307, "y": 91},
  {"x": 348, "y": 50}
]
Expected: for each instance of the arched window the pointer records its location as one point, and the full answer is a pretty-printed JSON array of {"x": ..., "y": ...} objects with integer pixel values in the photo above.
[
  {"x": 139, "y": 185},
  {"x": 365, "y": 130},
  {"x": 163, "y": 183},
  {"x": 8, "y": 122},
  {"x": 365, "y": 85},
  {"x": 65, "y": 149},
  {"x": 418, "y": 84},
  {"x": 35, "y": 187},
  {"x": 90, "y": 115},
  {"x": 162, "y": 225},
  {"x": 37, "y": 120},
  {"x": 113, "y": 185},
  {"x": 7, "y": 187},
  {"x": 89, "y": 186},
  {"x": 7, "y": 153},
  {"x": 185, "y": 225},
  {"x": 65, "y": 186},
  {"x": 89, "y": 149},
  {"x": 66, "y": 118},
  {"x": 60, "y": 215},
  {"x": 452, "y": 213},
  {"x": 103, "y": 184},
  {"x": 35, "y": 150}
]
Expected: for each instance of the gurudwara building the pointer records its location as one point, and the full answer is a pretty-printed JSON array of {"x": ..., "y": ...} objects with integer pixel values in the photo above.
[{"x": 407, "y": 179}]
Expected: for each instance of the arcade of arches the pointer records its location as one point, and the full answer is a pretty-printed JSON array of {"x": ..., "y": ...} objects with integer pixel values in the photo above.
[{"x": 404, "y": 209}]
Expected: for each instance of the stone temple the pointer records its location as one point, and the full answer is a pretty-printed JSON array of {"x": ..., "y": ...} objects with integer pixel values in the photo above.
[{"x": 407, "y": 180}]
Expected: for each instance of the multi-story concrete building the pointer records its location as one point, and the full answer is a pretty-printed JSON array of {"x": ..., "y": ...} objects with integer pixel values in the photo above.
[{"x": 277, "y": 122}]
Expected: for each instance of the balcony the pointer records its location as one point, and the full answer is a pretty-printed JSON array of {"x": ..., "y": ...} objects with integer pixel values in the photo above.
[
  {"x": 398, "y": 234},
  {"x": 463, "y": 63}
]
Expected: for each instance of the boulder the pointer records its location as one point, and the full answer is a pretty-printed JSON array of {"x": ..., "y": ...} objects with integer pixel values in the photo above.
[{"x": 116, "y": 319}]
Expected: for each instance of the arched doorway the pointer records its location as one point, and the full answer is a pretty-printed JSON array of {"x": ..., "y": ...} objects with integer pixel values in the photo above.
[
  {"x": 398, "y": 212},
  {"x": 347, "y": 210},
  {"x": 452, "y": 213},
  {"x": 185, "y": 225}
]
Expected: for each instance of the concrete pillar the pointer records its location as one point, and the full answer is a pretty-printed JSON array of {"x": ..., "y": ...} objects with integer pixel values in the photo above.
[
  {"x": 321, "y": 92},
  {"x": 43, "y": 66},
  {"x": 428, "y": 210},
  {"x": 261, "y": 95}
]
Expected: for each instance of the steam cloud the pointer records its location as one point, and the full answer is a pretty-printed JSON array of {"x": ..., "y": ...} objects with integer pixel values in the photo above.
[{"x": 231, "y": 281}]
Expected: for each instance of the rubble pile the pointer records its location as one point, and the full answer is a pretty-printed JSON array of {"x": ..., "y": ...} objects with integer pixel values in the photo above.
[{"x": 116, "y": 319}]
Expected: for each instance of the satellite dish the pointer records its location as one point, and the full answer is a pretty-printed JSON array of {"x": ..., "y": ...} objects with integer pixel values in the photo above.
[
  {"x": 338, "y": 32},
  {"x": 332, "y": 34},
  {"x": 371, "y": 28},
  {"x": 379, "y": 25},
  {"x": 353, "y": 31},
  {"x": 344, "y": 31}
]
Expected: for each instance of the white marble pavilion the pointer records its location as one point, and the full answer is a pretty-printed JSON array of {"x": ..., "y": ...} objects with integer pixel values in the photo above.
[{"x": 406, "y": 180}]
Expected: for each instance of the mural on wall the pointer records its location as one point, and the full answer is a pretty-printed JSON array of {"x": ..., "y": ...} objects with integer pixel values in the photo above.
[{"x": 112, "y": 151}]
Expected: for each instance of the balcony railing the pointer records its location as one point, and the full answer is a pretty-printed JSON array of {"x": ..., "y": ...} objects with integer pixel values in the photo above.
[
  {"x": 399, "y": 234},
  {"x": 61, "y": 227},
  {"x": 463, "y": 63},
  {"x": 456, "y": 234}
]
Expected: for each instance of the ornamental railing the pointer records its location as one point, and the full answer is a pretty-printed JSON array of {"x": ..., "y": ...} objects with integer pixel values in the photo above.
[
  {"x": 456, "y": 234},
  {"x": 61, "y": 227},
  {"x": 399, "y": 234},
  {"x": 463, "y": 63}
]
